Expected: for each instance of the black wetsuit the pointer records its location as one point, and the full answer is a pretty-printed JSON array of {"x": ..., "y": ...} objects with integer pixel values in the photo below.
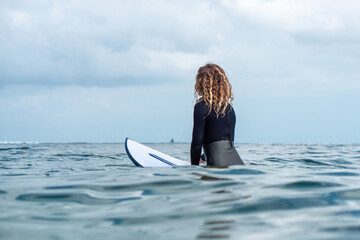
[{"x": 210, "y": 129}]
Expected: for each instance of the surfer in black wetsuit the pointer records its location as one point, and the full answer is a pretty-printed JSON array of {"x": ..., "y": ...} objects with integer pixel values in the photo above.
[{"x": 214, "y": 119}]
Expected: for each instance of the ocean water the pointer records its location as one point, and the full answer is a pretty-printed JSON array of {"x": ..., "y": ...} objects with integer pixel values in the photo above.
[{"x": 93, "y": 191}]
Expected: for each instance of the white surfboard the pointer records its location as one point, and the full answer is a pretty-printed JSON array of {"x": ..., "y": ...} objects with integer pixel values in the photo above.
[{"x": 144, "y": 156}]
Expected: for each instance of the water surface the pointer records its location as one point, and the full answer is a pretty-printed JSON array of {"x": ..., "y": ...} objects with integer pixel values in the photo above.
[{"x": 93, "y": 191}]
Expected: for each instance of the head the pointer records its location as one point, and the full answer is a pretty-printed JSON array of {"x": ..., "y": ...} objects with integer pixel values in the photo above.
[{"x": 213, "y": 87}]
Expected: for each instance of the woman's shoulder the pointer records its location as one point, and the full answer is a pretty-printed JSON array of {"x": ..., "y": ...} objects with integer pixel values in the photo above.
[
  {"x": 200, "y": 102},
  {"x": 201, "y": 106},
  {"x": 230, "y": 107}
]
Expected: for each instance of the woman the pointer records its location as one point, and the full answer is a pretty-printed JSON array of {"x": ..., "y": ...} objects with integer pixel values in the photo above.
[{"x": 214, "y": 119}]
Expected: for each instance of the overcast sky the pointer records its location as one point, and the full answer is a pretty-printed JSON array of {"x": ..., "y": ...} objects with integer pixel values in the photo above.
[{"x": 100, "y": 71}]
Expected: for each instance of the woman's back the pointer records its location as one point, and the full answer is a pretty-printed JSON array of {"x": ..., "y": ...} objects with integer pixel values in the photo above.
[{"x": 215, "y": 128}]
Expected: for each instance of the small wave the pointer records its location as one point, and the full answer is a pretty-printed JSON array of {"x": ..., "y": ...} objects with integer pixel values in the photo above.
[
  {"x": 236, "y": 199},
  {"x": 93, "y": 169},
  {"x": 71, "y": 197},
  {"x": 129, "y": 187},
  {"x": 340, "y": 174},
  {"x": 344, "y": 228},
  {"x": 353, "y": 194},
  {"x": 14, "y": 148},
  {"x": 334, "y": 145},
  {"x": 122, "y": 155},
  {"x": 311, "y": 162},
  {"x": 213, "y": 236},
  {"x": 83, "y": 156},
  {"x": 161, "y": 218},
  {"x": 51, "y": 219},
  {"x": 306, "y": 184},
  {"x": 240, "y": 171},
  {"x": 204, "y": 177},
  {"x": 75, "y": 155},
  {"x": 274, "y": 159},
  {"x": 354, "y": 213},
  {"x": 314, "y": 153},
  {"x": 117, "y": 165},
  {"x": 165, "y": 175},
  {"x": 3, "y": 192},
  {"x": 13, "y": 174},
  {"x": 275, "y": 204},
  {"x": 341, "y": 161},
  {"x": 3, "y": 167}
]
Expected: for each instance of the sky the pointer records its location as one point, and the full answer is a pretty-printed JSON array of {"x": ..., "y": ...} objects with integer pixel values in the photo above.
[{"x": 101, "y": 71}]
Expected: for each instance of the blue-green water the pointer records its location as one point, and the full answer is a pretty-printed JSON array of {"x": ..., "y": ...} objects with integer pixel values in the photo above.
[{"x": 93, "y": 191}]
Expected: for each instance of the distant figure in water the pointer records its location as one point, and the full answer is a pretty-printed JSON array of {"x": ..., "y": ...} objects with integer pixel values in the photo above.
[
  {"x": 172, "y": 140},
  {"x": 214, "y": 119}
]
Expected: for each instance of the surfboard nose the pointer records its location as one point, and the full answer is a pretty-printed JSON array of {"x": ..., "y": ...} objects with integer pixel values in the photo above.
[{"x": 144, "y": 156}]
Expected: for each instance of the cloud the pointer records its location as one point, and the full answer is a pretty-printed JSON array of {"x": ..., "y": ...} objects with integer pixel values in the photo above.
[
  {"x": 289, "y": 15},
  {"x": 76, "y": 43},
  {"x": 121, "y": 43}
]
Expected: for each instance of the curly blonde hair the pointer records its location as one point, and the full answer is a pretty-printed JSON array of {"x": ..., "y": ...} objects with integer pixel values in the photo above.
[{"x": 213, "y": 87}]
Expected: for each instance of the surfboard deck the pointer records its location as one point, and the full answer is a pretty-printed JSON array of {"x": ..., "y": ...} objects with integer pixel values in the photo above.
[{"x": 144, "y": 156}]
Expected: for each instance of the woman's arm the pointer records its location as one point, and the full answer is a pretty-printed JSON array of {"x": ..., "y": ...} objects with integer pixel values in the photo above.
[{"x": 200, "y": 111}]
